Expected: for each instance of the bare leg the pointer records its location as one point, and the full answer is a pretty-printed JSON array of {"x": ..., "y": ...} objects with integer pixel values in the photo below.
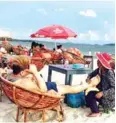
[{"x": 65, "y": 89}]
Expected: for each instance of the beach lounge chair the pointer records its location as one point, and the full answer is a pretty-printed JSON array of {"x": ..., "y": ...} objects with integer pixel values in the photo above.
[
  {"x": 29, "y": 100},
  {"x": 39, "y": 62}
]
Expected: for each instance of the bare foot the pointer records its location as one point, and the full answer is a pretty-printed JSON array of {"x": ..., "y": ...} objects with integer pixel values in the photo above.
[
  {"x": 54, "y": 93},
  {"x": 94, "y": 115}
]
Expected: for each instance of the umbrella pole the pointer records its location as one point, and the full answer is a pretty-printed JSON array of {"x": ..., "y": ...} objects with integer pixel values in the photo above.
[{"x": 55, "y": 44}]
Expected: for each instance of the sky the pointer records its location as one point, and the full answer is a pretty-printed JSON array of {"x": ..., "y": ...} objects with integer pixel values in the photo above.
[{"x": 93, "y": 21}]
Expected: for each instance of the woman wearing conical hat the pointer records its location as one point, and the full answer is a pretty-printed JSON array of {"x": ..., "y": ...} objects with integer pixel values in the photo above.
[{"x": 106, "y": 94}]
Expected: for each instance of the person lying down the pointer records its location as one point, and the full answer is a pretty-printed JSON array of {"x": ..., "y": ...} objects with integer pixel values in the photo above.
[{"x": 26, "y": 75}]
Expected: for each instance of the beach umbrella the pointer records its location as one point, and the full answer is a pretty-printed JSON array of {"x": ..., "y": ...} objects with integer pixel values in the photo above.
[{"x": 54, "y": 32}]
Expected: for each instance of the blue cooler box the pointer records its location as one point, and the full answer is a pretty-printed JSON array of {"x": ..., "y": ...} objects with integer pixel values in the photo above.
[{"x": 76, "y": 100}]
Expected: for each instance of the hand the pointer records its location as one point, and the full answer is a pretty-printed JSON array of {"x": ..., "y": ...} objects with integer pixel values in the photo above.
[
  {"x": 33, "y": 68},
  {"x": 99, "y": 95}
]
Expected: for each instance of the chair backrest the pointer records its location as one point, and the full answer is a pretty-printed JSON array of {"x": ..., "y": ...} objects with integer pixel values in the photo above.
[
  {"x": 90, "y": 60},
  {"x": 26, "y": 98}
]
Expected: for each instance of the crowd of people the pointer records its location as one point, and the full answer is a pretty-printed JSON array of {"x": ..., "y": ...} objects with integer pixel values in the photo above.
[
  {"x": 25, "y": 74},
  {"x": 41, "y": 55}
]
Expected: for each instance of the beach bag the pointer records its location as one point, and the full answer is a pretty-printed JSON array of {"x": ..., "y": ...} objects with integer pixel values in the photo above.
[{"x": 76, "y": 100}]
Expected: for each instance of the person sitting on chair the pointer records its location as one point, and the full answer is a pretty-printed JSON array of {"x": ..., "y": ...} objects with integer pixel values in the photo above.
[
  {"x": 59, "y": 48},
  {"x": 26, "y": 75}
]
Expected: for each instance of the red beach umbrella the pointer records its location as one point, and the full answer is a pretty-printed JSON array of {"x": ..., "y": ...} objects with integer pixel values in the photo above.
[{"x": 54, "y": 32}]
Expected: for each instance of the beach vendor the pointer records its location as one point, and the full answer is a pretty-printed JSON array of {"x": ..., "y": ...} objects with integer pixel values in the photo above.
[
  {"x": 106, "y": 88},
  {"x": 26, "y": 75}
]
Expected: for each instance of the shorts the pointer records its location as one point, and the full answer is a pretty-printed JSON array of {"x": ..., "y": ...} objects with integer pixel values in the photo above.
[{"x": 51, "y": 86}]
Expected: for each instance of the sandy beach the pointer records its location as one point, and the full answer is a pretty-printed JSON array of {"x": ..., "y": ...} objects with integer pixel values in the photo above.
[
  {"x": 57, "y": 32},
  {"x": 72, "y": 115}
]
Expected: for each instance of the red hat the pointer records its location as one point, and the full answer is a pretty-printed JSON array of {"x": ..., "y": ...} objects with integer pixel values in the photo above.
[{"x": 105, "y": 59}]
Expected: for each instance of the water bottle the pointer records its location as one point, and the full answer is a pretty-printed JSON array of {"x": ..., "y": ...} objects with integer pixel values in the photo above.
[
  {"x": 66, "y": 62},
  {"x": 62, "y": 61},
  {"x": 90, "y": 53}
]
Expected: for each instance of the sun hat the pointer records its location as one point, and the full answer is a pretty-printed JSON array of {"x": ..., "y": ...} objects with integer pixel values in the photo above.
[{"x": 104, "y": 59}]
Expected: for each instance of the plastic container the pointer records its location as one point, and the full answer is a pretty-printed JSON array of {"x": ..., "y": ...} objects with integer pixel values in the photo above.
[
  {"x": 76, "y": 100},
  {"x": 66, "y": 62},
  {"x": 76, "y": 66}
]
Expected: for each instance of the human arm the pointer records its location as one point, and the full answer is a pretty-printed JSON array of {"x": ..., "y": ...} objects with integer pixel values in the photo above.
[
  {"x": 38, "y": 79},
  {"x": 92, "y": 74},
  {"x": 99, "y": 95},
  {"x": 40, "y": 82}
]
